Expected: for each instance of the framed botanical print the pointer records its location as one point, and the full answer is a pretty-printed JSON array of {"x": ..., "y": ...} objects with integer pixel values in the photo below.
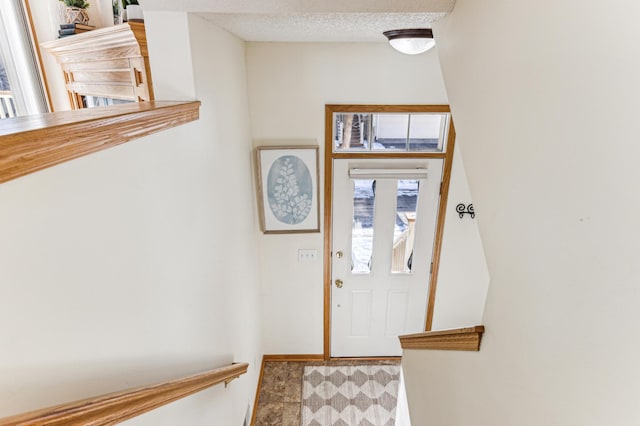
[{"x": 288, "y": 189}]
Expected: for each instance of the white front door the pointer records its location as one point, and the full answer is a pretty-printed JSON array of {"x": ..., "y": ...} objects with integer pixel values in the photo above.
[{"x": 384, "y": 219}]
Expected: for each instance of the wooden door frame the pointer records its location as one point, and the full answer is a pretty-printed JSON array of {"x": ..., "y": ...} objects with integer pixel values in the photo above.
[{"x": 329, "y": 156}]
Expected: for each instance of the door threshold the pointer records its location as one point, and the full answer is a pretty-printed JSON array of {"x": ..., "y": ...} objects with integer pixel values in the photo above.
[{"x": 365, "y": 358}]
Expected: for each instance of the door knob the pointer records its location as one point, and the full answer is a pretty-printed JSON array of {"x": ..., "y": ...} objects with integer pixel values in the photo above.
[
  {"x": 339, "y": 283},
  {"x": 339, "y": 255}
]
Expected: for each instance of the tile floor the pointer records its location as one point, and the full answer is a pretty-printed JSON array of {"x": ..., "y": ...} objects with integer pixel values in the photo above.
[{"x": 280, "y": 394}]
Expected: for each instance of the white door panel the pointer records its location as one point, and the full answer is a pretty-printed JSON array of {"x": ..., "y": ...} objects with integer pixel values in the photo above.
[{"x": 374, "y": 304}]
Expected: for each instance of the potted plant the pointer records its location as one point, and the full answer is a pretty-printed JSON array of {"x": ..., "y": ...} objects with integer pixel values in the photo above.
[
  {"x": 118, "y": 11},
  {"x": 76, "y": 11},
  {"x": 134, "y": 10}
]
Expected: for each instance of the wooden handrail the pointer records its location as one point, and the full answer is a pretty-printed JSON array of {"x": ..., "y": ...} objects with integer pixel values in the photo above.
[
  {"x": 119, "y": 406},
  {"x": 459, "y": 339},
  {"x": 32, "y": 143}
]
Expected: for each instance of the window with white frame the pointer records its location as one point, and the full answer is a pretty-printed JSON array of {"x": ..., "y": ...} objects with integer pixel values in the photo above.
[
  {"x": 22, "y": 89},
  {"x": 385, "y": 132}
]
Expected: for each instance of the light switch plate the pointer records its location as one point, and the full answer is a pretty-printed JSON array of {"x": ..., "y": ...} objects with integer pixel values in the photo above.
[{"x": 307, "y": 255}]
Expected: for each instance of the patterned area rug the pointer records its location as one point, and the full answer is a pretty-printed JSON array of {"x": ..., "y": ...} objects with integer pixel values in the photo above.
[{"x": 364, "y": 395}]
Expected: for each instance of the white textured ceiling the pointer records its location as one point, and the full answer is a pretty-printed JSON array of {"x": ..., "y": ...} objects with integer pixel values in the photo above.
[
  {"x": 328, "y": 27},
  {"x": 311, "y": 20}
]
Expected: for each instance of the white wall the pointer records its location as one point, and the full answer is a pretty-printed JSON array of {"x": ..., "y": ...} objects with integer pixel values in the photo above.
[
  {"x": 289, "y": 85},
  {"x": 129, "y": 266},
  {"x": 463, "y": 278},
  {"x": 549, "y": 135}
]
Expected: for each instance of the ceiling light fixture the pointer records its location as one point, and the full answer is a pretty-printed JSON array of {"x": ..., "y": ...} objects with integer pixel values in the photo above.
[{"x": 411, "y": 41}]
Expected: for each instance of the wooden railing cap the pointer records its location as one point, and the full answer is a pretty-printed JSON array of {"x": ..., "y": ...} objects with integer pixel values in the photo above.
[
  {"x": 458, "y": 339},
  {"x": 32, "y": 143}
]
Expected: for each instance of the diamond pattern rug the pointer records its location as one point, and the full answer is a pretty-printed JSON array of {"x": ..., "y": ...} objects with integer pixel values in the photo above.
[{"x": 363, "y": 395}]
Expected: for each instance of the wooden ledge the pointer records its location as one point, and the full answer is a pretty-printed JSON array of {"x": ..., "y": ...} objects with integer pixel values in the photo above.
[
  {"x": 35, "y": 142},
  {"x": 117, "y": 407},
  {"x": 459, "y": 339}
]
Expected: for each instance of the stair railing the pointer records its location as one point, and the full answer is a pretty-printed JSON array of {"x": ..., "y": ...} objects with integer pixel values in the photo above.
[{"x": 119, "y": 406}]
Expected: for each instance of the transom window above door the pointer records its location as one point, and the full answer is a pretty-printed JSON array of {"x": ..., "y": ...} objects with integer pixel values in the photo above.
[{"x": 390, "y": 132}]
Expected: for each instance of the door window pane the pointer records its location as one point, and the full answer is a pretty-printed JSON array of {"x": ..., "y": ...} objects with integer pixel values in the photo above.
[
  {"x": 362, "y": 228},
  {"x": 404, "y": 229}
]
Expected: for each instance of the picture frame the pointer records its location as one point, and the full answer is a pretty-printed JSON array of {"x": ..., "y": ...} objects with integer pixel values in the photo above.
[{"x": 288, "y": 192}]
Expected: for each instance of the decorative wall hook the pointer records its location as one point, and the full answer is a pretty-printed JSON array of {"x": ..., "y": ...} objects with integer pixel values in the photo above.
[{"x": 462, "y": 210}]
